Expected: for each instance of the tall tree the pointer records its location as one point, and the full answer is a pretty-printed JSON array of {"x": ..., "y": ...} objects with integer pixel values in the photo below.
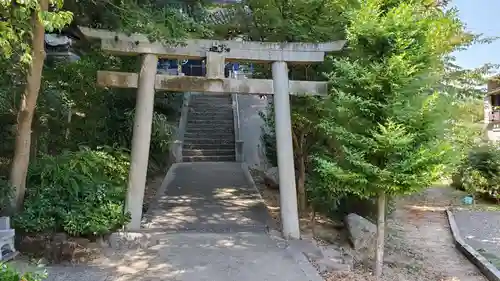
[
  {"x": 293, "y": 21},
  {"x": 384, "y": 115},
  {"x": 22, "y": 43},
  {"x": 22, "y": 19}
]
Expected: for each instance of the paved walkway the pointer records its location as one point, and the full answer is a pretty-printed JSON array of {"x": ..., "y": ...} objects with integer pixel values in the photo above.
[
  {"x": 196, "y": 257},
  {"x": 207, "y": 197},
  {"x": 481, "y": 230},
  {"x": 209, "y": 224}
]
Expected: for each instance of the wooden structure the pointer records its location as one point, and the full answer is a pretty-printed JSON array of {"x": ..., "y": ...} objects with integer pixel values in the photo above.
[
  {"x": 216, "y": 54},
  {"x": 492, "y": 109}
]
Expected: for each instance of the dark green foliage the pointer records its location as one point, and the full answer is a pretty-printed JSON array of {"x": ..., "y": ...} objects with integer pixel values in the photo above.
[
  {"x": 331, "y": 197},
  {"x": 8, "y": 273},
  {"x": 73, "y": 110},
  {"x": 6, "y": 193},
  {"x": 479, "y": 173},
  {"x": 386, "y": 126},
  {"x": 81, "y": 193},
  {"x": 168, "y": 21},
  {"x": 268, "y": 136}
]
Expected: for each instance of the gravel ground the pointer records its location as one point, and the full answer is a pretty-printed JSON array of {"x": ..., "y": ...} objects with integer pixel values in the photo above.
[
  {"x": 419, "y": 245},
  {"x": 422, "y": 230}
]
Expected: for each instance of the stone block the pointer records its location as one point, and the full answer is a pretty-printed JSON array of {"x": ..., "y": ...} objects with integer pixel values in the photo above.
[
  {"x": 7, "y": 250},
  {"x": 331, "y": 251},
  {"x": 271, "y": 178},
  {"x": 362, "y": 233},
  {"x": 307, "y": 247},
  {"x": 131, "y": 240},
  {"x": 329, "y": 265},
  {"x": 4, "y": 223}
]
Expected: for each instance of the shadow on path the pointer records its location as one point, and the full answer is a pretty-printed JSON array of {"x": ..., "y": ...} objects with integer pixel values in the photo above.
[{"x": 207, "y": 197}]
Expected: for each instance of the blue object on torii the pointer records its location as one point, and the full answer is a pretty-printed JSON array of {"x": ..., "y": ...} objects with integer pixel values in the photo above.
[
  {"x": 194, "y": 67},
  {"x": 236, "y": 66},
  {"x": 166, "y": 64}
]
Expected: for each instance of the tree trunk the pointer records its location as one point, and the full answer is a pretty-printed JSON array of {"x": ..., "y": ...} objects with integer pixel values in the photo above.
[
  {"x": 313, "y": 221},
  {"x": 35, "y": 135},
  {"x": 301, "y": 188},
  {"x": 379, "y": 254},
  {"x": 70, "y": 112},
  {"x": 27, "y": 109}
]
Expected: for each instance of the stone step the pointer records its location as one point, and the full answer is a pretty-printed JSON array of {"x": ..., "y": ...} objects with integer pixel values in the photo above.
[
  {"x": 224, "y": 104},
  {"x": 215, "y": 135},
  {"x": 208, "y": 141},
  {"x": 210, "y": 116},
  {"x": 210, "y": 109},
  {"x": 208, "y": 130},
  {"x": 207, "y": 110},
  {"x": 211, "y": 98},
  {"x": 226, "y": 158},
  {"x": 208, "y": 152},
  {"x": 211, "y": 104},
  {"x": 208, "y": 146},
  {"x": 210, "y": 123}
]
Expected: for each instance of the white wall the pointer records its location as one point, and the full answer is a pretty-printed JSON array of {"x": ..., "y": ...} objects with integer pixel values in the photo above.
[{"x": 250, "y": 129}]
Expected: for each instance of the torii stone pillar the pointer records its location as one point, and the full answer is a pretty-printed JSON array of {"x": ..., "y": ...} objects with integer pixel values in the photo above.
[
  {"x": 141, "y": 140},
  {"x": 284, "y": 146}
]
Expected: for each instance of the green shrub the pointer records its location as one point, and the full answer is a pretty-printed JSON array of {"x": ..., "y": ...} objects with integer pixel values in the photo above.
[
  {"x": 80, "y": 193},
  {"x": 330, "y": 197},
  {"x": 7, "y": 273},
  {"x": 479, "y": 173}
]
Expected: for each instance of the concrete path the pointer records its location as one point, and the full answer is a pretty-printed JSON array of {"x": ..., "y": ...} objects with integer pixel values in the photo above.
[
  {"x": 209, "y": 223},
  {"x": 481, "y": 230},
  {"x": 207, "y": 197},
  {"x": 196, "y": 257}
]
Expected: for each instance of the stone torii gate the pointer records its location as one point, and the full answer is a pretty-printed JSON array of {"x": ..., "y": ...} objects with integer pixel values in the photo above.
[{"x": 216, "y": 53}]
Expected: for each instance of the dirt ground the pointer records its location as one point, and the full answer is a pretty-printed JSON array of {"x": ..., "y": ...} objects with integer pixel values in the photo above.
[
  {"x": 419, "y": 245},
  {"x": 153, "y": 183}
]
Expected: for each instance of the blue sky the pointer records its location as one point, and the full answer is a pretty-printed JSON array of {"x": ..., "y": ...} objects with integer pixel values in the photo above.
[{"x": 480, "y": 16}]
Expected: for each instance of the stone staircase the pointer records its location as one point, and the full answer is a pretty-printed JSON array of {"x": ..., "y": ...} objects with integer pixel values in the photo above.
[{"x": 209, "y": 134}]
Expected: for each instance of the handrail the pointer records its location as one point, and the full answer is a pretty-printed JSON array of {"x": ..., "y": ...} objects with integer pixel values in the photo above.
[
  {"x": 237, "y": 126},
  {"x": 237, "y": 133},
  {"x": 181, "y": 129}
]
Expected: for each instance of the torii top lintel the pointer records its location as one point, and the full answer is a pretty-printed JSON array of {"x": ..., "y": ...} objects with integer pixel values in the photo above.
[{"x": 136, "y": 44}]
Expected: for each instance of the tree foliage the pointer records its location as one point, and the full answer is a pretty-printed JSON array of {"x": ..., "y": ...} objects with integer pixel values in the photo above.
[
  {"x": 16, "y": 25},
  {"x": 385, "y": 118},
  {"x": 72, "y": 111}
]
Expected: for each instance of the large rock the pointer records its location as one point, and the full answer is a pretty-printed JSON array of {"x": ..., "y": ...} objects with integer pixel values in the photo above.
[
  {"x": 362, "y": 233},
  {"x": 271, "y": 178}
]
